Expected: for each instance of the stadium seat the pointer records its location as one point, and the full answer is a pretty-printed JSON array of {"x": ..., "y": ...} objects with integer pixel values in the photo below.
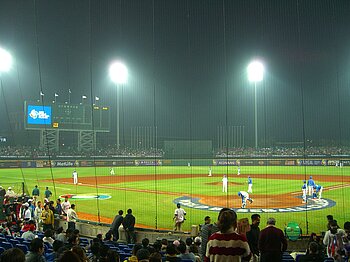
[
  {"x": 6, "y": 245},
  {"x": 14, "y": 241},
  {"x": 49, "y": 257},
  {"x": 2, "y": 250},
  {"x": 328, "y": 259},
  {"x": 23, "y": 247}
]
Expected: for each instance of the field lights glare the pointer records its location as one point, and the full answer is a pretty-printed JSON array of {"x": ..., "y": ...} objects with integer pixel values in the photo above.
[
  {"x": 255, "y": 71},
  {"x": 118, "y": 73},
  {"x": 5, "y": 60}
]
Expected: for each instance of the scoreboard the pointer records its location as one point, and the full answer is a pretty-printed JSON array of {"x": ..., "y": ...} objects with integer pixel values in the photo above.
[{"x": 68, "y": 117}]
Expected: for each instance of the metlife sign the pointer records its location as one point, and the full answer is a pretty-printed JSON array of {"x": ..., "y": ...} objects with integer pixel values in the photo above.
[{"x": 39, "y": 115}]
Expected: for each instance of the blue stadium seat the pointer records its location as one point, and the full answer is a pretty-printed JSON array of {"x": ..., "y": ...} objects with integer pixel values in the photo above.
[
  {"x": 14, "y": 241},
  {"x": 49, "y": 257},
  {"x": 328, "y": 259},
  {"x": 24, "y": 248},
  {"x": 6, "y": 245}
]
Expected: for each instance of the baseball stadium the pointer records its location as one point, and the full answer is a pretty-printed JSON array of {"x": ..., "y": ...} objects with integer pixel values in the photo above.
[{"x": 144, "y": 105}]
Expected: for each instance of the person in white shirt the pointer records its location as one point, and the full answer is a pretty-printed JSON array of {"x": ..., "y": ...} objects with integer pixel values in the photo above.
[
  {"x": 179, "y": 217},
  {"x": 27, "y": 212},
  {"x": 224, "y": 183},
  {"x": 65, "y": 206},
  {"x": 37, "y": 215},
  {"x": 75, "y": 177},
  {"x": 72, "y": 217}
]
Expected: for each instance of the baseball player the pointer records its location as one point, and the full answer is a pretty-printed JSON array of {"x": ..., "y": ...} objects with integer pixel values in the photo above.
[
  {"x": 111, "y": 171},
  {"x": 245, "y": 196},
  {"x": 224, "y": 183},
  {"x": 310, "y": 185},
  {"x": 318, "y": 191},
  {"x": 304, "y": 190},
  {"x": 250, "y": 185},
  {"x": 238, "y": 170},
  {"x": 210, "y": 171},
  {"x": 75, "y": 177}
]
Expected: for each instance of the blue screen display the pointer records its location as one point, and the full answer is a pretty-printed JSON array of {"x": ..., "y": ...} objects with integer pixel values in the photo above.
[{"x": 39, "y": 115}]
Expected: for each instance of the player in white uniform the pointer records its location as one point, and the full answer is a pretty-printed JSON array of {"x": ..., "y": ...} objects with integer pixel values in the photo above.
[
  {"x": 75, "y": 177},
  {"x": 210, "y": 174},
  {"x": 179, "y": 217},
  {"x": 238, "y": 170},
  {"x": 304, "y": 191},
  {"x": 224, "y": 183},
  {"x": 245, "y": 196},
  {"x": 250, "y": 185},
  {"x": 111, "y": 171}
]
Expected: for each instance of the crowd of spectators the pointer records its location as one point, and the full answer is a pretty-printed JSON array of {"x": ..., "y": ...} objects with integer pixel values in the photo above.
[
  {"x": 113, "y": 151},
  {"x": 107, "y": 151},
  {"x": 284, "y": 151}
]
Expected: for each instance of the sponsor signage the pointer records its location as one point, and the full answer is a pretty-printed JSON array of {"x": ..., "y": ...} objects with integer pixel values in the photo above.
[
  {"x": 313, "y": 204},
  {"x": 39, "y": 115}
]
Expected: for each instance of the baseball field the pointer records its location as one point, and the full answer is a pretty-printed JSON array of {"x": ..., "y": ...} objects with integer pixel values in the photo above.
[{"x": 152, "y": 192}]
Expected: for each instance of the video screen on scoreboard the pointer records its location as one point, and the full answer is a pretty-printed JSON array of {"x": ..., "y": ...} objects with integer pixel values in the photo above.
[{"x": 39, "y": 115}]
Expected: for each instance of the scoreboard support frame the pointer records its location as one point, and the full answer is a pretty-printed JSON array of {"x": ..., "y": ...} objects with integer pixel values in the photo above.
[{"x": 49, "y": 139}]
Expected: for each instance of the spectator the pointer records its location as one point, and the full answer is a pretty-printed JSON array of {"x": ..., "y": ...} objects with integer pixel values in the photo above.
[
  {"x": 72, "y": 217},
  {"x": 48, "y": 237},
  {"x": 272, "y": 242},
  {"x": 109, "y": 238},
  {"x": 73, "y": 241},
  {"x": 316, "y": 239},
  {"x": 13, "y": 255},
  {"x": 47, "y": 218},
  {"x": 164, "y": 243},
  {"x": 58, "y": 208},
  {"x": 60, "y": 235},
  {"x": 29, "y": 234},
  {"x": 313, "y": 254},
  {"x": 237, "y": 245},
  {"x": 155, "y": 257},
  {"x": 113, "y": 256},
  {"x": 171, "y": 254},
  {"x": 65, "y": 206},
  {"x": 346, "y": 239},
  {"x": 253, "y": 237},
  {"x": 36, "y": 251},
  {"x": 81, "y": 253},
  {"x": 142, "y": 255},
  {"x": 69, "y": 256},
  {"x": 184, "y": 254},
  {"x": 56, "y": 246},
  {"x": 206, "y": 232},
  {"x": 37, "y": 214},
  {"x": 118, "y": 220},
  {"x": 129, "y": 226},
  {"x": 332, "y": 239}
]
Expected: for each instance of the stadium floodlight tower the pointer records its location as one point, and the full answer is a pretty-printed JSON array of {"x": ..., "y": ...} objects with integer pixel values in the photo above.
[
  {"x": 5, "y": 60},
  {"x": 118, "y": 73},
  {"x": 255, "y": 74}
]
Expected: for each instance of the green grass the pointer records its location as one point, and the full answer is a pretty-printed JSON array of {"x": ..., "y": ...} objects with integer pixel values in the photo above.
[{"x": 151, "y": 209}]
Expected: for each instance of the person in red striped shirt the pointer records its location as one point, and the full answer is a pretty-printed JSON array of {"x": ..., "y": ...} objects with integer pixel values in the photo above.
[{"x": 227, "y": 244}]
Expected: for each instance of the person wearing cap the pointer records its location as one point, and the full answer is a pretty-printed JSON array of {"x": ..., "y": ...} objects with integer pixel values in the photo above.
[
  {"x": 35, "y": 192},
  {"x": 310, "y": 185},
  {"x": 27, "y": 212},
  {"x": 272, "y": 242},
  {"x": 65, "y": 206},
  {"x": 10, "y": 192},
  {"x": 304, "y": 191},
  {"x": 47, "y": 193}
]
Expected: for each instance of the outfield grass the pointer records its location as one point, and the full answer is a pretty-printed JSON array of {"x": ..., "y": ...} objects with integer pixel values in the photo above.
[{"x": 157, "y": 209}]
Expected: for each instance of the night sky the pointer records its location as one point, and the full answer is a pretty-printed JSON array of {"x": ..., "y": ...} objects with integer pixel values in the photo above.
[{"x": 187, "y": 63}]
